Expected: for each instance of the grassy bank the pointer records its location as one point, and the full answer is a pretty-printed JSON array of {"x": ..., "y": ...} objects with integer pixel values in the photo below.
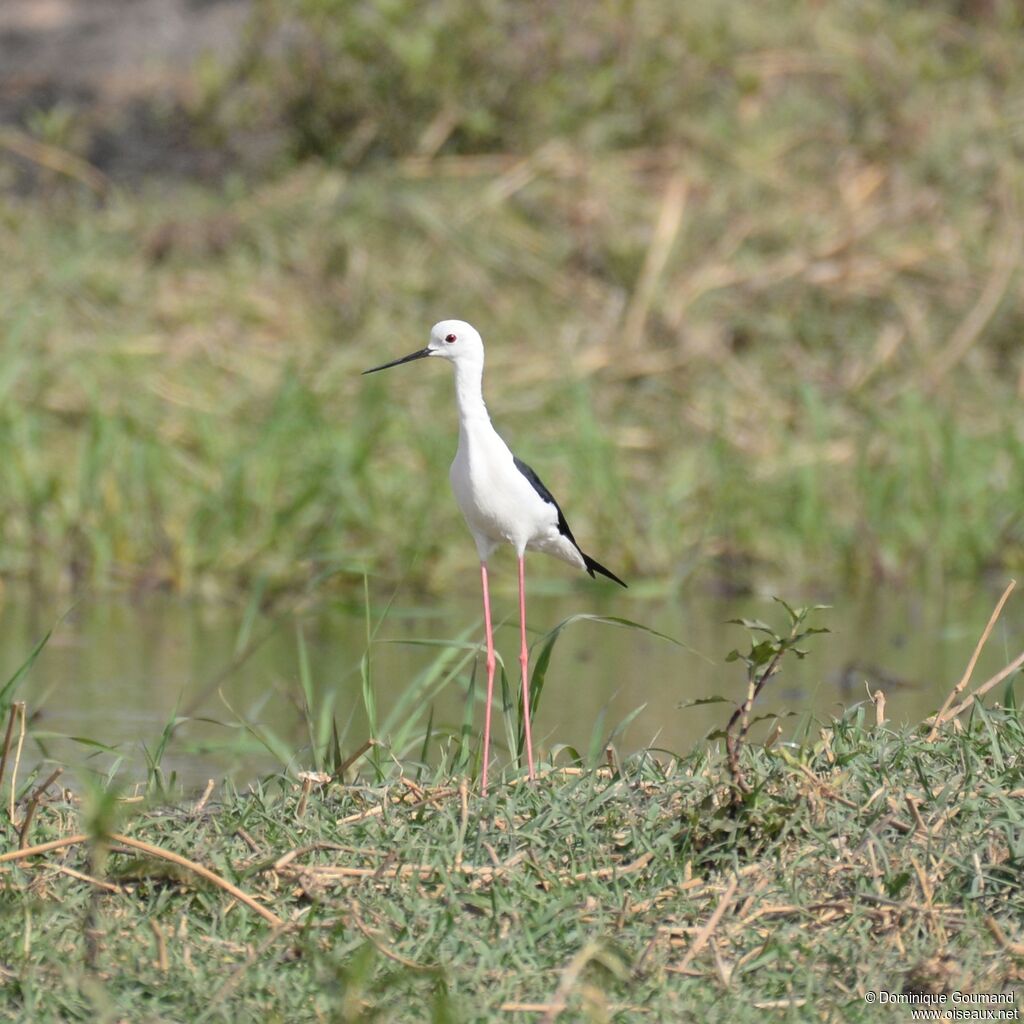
[
  {"x": 776, "y": 326},
  {"x": 865, "y": 858},
  {"x": 182, "y": 402}
]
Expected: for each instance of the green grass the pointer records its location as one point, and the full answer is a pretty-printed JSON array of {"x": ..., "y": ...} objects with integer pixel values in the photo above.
[
  {"x": 748, "y": 282},
  {"x": 793, "y": 877},
  {"x": 811, "y": 366},
  {"x": 864, "y": 859}
]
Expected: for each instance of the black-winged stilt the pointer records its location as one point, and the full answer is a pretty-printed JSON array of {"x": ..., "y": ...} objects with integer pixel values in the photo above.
[{"x": 501, "y": 498}]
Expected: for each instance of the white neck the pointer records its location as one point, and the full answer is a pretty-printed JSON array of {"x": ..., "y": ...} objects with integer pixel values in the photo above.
[{"x": 469, "y": 394}]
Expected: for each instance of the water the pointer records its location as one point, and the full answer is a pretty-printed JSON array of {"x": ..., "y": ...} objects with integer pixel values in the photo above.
[{"x": 116, "y": 671}]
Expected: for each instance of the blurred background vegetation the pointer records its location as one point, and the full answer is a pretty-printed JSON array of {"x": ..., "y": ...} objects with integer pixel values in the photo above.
[{"x": 749, "y": 276}]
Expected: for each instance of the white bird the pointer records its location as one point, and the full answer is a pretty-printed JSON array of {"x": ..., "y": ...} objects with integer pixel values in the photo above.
[{"x": 501, "y": 498}]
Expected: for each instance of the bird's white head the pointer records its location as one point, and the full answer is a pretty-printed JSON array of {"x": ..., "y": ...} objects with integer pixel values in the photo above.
[{"x": 454, "y": 340}]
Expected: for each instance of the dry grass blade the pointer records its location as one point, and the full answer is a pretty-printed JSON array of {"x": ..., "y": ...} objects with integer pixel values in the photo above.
[
  {"x": 670, "y": 217},
  {"x": 613, "y": 870},
  {"x": 54, "y": 159},
  {"x": 969, "y": 671},
  {"x": 33, "y": 851},
  {"x": 973, "y": 325},
  {"x": 19, "y": 707}
]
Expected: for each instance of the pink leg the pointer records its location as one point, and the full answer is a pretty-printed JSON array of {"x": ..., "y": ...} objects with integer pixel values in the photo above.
[
  {"x": 490, "y": 677},
  {"x": 523, "y": 661}
]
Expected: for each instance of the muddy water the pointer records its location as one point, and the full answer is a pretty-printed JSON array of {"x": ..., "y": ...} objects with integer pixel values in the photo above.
[{"x": 116, "y": 671}]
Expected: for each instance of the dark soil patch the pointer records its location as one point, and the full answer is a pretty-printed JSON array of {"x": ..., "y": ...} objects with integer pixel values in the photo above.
[{"x": 120, "y": 68}]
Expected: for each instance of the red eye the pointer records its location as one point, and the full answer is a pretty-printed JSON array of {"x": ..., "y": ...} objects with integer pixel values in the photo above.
[{"x": 450, "y": 338}]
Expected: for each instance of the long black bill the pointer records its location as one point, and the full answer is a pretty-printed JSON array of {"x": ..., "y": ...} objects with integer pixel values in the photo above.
[{"x": 422, "y": 354}]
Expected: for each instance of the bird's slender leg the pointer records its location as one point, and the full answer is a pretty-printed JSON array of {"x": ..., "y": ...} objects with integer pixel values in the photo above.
[
  {"x": 524, "y": 658},
  {"x": 490, "y": 677}
]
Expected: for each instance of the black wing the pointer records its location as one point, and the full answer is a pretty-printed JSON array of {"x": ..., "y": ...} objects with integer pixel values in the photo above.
[{"x": 592, "y": 566}]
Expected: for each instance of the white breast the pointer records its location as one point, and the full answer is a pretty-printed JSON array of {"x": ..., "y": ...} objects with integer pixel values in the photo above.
[{"x": 498, "y": 502}]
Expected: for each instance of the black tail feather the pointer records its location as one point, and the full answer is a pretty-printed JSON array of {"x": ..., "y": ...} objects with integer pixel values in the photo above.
[{"x": 594, "y": 566}]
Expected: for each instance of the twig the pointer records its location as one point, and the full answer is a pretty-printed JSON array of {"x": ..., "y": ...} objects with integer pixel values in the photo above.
[
  {"x": 372, "y": 812},
  {"x": 878, "y": 699},
  {"x": 198, "y": 869},
  {"x": 33, "y": 803},
  {"x": 307, "y": 786},
  {"x": 639, "y": 967},
  {"x": 248, "y": 840},
  {"x": 557, "y": 771},
  {"x": 382, "y": 947},
  {"x": 286, "y": 858},
  {"x": 701, "y": 939},
  {"x": 483, "y": 878},
  {"x": 362, "y": 815},
  {"x": 567, "y": 981},
  {"x": 518, "y": 176},
  {"x": 724, "y": 969},
  {"x": 83, "y": 877},
  {"x": 231, "y": 982},
  {"x": 153, "y": 851},
  {"x": 201, "y": 803},
  {"x": 1013, "y": 948},
  {"x": 352, "y": 758},
  {"x": 388, "y": 860},
  {"x": 983, "y": 689},
  {"x": 161, "y": 946},
  {"x": 826, "y": 788},
  {"x": 969, "y": 671},
  {"x": 422, "y": 871},
  {"x": 743, "y": 712},
  {"x": 912, "y": 801},
  {"x": 917, "y": 908},
  {"x": 417, "y": 790}
]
